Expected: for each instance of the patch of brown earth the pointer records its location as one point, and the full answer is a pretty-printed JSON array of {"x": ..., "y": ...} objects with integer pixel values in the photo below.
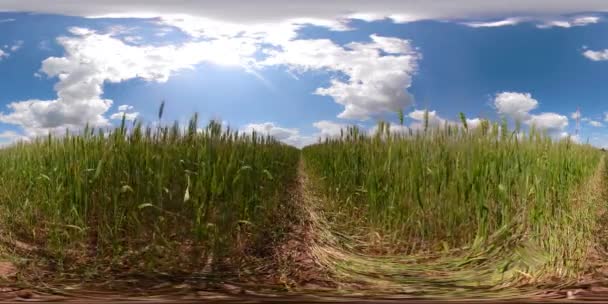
[{"x": 297, "y": 265}]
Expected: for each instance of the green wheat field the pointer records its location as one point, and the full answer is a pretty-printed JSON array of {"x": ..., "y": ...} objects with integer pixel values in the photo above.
[{"x": 455, "y": 210}]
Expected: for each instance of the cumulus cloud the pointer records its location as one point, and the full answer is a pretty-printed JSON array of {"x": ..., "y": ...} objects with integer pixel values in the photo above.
[
  {"x": 9, "y": 137},
  {"x": 541, "y": 22},
  {"x": 92, "y": 59},
  {"x": 434, "y": 120},
  {"x": 328, "y": 129},
  {"x": 125, "y": 108},
  {"x": 595, "y": 123},
  {"x": 125, "y": 111},
  {"x": 266, "y": 32},
  {"x": 596, "y": 55},
  {"x": 473, "y": 123},
  {"x": 7, "y": 50},
  {"x": 503, "y": 22},
  {"x": 290, "y": 136},
  {"x": 572, "y": 137},
  {"x": 127, "y": 116},
  {"x": 293, "y": 136},
  {"x": 519, "y": 105},
  {"x": 368, "y": 77},
  {"x": 578, "y": 116},
  {"x": 270, "y": 128},
  {"x": 515, "y": 105},
  {"x": 548, "y": 121},
  {"x": 571, "y": 22},
  {"x": 374, "y": 86},
  {"x": 378, "y": 72}
]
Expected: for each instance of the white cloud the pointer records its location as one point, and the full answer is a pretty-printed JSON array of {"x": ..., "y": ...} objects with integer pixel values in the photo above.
[
  {"x": 16, "y": 46},
  {"x": 595, "y": 123},
  {"x": 434, "y": 120},
  {"x": 573, "y": 137},
  {"x": 569, "y": 22},
  {"x": 266, "y": 32},
  {"x": 580, "y": 21},
  {"x": 8, "y": 134},
  {"x": 541, "y": 22},
  {"x": 515, "y": 105},
  {"x": 473, "y": 123},
  {"x": 81, "y": 31},
  {"x": 290, "y": 136},
  {"x": 519, "y": 105},
  {"x": 393, "y": 128},
  {"x": 7, "y": 20},
  {"x": 128, "y": 116},
  {"x": 375, "y": 83},
  {"x": 92, "y": 59},
  {"x": 596, "y": 55},
  {"x": 499, "y": 23},
  {"x": 9, "y": 49},
  {"x": 125, "y": 111},
  {"x": 328, "y": 129},
  {"x": 548, "y": 121},
  {"x": 9, "y": 137},
  {"x": 125, "y": 108}
]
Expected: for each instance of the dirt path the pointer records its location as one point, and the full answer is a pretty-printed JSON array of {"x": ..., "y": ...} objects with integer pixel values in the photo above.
[{"x": 332, "y": 254}]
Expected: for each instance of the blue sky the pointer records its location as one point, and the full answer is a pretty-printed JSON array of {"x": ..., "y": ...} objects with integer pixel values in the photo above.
[{"x": 306, "y": 74}]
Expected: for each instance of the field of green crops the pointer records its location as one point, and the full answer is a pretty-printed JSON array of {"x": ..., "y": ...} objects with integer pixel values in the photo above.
[
  {"x": 162, "y": 199},
  {"x": 515, "y": 205},
  {"x": 416, "y": 205}
]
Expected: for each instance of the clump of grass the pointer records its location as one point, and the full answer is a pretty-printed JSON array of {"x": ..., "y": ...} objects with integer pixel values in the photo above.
[
  {"x": 485, "y": 194},
  {"x": 144, "y": 197}
]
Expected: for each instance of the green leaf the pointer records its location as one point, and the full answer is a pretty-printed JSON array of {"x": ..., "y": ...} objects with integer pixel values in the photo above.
[{"x": 98, "y": 170}]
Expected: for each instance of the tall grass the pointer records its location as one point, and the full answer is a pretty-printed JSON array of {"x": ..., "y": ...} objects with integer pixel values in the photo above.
[
  {"x": 155, "y": 197},
  {"x": 453, "y": 187}
]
